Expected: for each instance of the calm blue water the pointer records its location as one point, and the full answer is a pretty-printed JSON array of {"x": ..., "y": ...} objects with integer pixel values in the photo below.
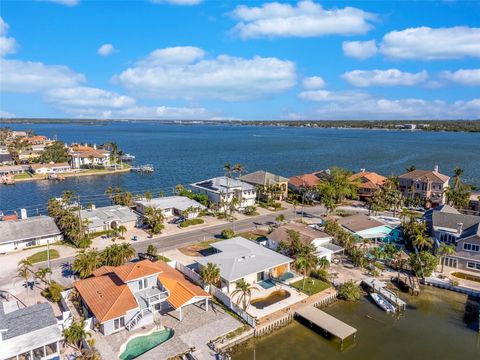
[{"x": 187, "y": 153}]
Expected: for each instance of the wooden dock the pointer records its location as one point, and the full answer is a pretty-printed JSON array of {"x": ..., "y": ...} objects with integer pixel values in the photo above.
[
  {"x": 327, "y": 322},
  {"x": 410, "y": 282},
  {"x": 381, "y": 288}
]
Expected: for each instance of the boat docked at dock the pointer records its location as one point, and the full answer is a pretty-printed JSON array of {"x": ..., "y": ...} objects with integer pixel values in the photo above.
[{"x": 382, "y": 302}]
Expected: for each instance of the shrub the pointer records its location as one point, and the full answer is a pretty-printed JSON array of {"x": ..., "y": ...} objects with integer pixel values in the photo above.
[
  {"x": 349, "y": 291},
  {"x": 228, "y": 233},
  {"x": 380, "y": 266},
  {"x": 276, "y": 205},
  {"x": 320, "y": 274},
  {"x": 189, "y": 222},
  {"x": 250, "y": 210},
  {"x": 152, "y": 250},
  {"x": 53, "y": 292}
]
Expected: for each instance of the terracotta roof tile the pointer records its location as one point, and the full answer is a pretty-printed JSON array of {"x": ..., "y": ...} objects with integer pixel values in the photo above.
[
  {"x": 304, "y": 180},
  {"x": 370, "y": 180},
  {"x": 136, "y": 270},
  {"x": 425, "y": 174}
]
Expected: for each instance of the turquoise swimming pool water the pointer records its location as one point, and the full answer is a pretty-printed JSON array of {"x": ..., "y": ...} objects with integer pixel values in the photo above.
[{"x": 141, "y": 344}]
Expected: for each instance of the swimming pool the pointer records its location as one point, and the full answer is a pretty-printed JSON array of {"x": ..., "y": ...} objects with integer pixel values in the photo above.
[
  {"x": 274, "y": 297},
  {"x": 139, "y": 345},
  {"x": 267, "y": 284}
]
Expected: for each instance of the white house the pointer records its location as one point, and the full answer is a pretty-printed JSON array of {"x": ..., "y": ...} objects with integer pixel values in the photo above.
[
  {"x": 29, "y": 333},
  {"x": 222, "y": 189},
  {"x": 23, "y": 233},
  {"x": 172, "y": 206},
  {"x": 85, "y": 156},
  {"x": 52, "y": 168},
  {"x": 109, "y": 217},
  {"x": 239, "y": 258}
]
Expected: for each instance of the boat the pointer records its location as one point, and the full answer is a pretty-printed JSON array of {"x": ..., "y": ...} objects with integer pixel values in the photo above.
[
  {"x": 127, "y": 157},
  {"x": 382, "y": 302}
]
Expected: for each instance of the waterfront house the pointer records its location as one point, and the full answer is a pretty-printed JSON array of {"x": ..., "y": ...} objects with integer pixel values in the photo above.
[
  {"x": 13, "y": 169},
  {"x": 367, "y": 227},
  {"x": 27, "y": 232},
  {"x": 86, "y": 156},
  {"x": 426, "y": 185},
  {"x": 474, "y": 203},
  {"x": 307, "y": 235},
  {"x": 264, "y": 180},
  {"x": 242, "y": 259},
  {"x": 51, "y": 168},
  {"x": 221, "y": 190},
  {"x": 128, "y": 296},
  {"x": 25, "y": 156},
  {"x": 300, "y": 183},
  {"x": 6, "y": 159},
  {"x": 171, "y": 206},
  {"x": 108, "y": 218},
  {"x": 368, "y": 182},
  {"x": 29, "y": 333}
]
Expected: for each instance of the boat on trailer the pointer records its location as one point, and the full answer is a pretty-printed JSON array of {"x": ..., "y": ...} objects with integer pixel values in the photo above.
[{"x": 382, "y": 302}]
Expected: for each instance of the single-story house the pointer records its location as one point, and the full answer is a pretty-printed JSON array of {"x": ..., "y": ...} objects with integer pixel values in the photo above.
[
  {"x": 239, "y": 258},
  {"x": 6, "y": 159},
  {"x": 307, "y": 235},
  {"x": 171, "y": 206},
  {"x": 223, "y": 189},
  {"x": 127, "y": 296},
  {"x": 109, "y": 217},
  {"x": 263, "y": 179},
  {"x": 29, "y": 333},
  {"x": 23, "y": 233},
  {"x": 13, "y": 169},
  {"x": 366, "y": 227},
  {"x": 52, "y": 168}
]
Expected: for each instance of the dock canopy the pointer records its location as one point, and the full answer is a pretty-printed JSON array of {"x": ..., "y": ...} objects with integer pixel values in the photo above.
[{"x": 327, "y": 322}]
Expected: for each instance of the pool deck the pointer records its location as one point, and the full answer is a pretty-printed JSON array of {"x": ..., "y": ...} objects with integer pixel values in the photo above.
[{"x": 195, "y": 330}]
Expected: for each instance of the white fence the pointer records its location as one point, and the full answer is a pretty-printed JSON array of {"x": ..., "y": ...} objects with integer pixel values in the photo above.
[
  {"x": 192, "y": 275},
  {"x": 225, "y": 299}
]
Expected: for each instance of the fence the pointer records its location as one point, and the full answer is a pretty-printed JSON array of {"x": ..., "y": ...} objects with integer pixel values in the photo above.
[
  {"x": 192, "y": 275},
  {"x": 225, "y": 299}
]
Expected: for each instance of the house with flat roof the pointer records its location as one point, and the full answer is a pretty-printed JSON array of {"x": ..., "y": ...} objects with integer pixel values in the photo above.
[
  {"x": 239, "y": 258},
  {"x": 23, "y": 233},
  {"x": 264, "y": 180},
  {"x": 171, "y": 206},
  {"x": 51, "y": 168},
  {"x": 427, "y": 185},
  {"x": 222, "y": 189},
  {"x": 366, "y": 227},
  {"x": 368, "y": 182},
  {"x": 307, "y": 235},
  {"x": 29, "y": 333},
  {"x": 109, "y": 217},
  {"x": 128, "y": 296}
]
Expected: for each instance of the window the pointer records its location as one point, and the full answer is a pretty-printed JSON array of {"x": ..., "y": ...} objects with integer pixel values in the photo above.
[
  {"x": 118, "y": 323},
  {"x": 473, "y": 265},
  {"x": 142, "y": 284},
  {"x": 38, "y": 353},
  {"x": 51, "y": 348},
  {"x": 471, "y": 247}
]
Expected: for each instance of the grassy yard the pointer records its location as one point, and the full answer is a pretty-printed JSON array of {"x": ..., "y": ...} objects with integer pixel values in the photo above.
[
  {"x": 253, "y": 235},
  {"x": 196, "y": 249},
  {"x": 25, "y": 175},
  {"x": 43, "y": 256},
  {"x": 312, "y": 286}
]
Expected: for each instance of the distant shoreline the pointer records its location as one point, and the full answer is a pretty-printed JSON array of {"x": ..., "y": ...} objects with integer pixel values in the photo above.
[{"x": 408, "y": 125}]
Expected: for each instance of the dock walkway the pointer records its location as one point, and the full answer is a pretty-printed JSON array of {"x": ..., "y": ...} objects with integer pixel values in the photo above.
[
  {"x": 327, "y": 322},
  {"x": 381, "y": 288}
]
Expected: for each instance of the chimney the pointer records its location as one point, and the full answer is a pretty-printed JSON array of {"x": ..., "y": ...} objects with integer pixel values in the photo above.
[
  {"x": 23, "y": 214},
  {"x": 93, "y": 207},
  {"x": 95, "y": 146},
  {"x": 459, "y": 228},
  {"x": 362, "y": 170},
  {"x": 435, "y": 169}
]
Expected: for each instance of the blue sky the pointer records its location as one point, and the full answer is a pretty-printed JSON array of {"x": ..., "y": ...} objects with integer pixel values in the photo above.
[{"x": 193, "y": 59}]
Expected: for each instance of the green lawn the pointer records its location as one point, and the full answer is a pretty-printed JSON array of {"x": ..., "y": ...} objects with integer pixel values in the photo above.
[
  {"x": 43, "y": 256},
  {"x": 312, "y": 286},
  {"x": 253, "y": 236},
  {"x": 25, "y": 175}
]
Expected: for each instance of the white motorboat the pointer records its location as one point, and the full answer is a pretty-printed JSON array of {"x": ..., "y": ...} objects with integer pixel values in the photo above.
[{"x": 382, "y": 302}]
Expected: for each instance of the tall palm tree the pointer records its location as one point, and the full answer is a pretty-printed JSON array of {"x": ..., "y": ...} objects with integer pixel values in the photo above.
[
  {"x": 411, "y": 168},
  {"x": 323, "y": 263},
  {"x": 421, "y": 241},
  {"x": 210, "y": 274},
  {"x": 122, "y": 230},
  {"x": 244, "y": 291},
  {"x": 238, "y": 169},
  {"x": 306, "y": 262},
  {"x": 86, "y": 262},
  {"x": 154, "y": 218},
  {"x": 75, "y": 334},
  {"x": 126, "y": 253},
  {"x": 457, "y": 173},
  {"x": 444, "y": 250},
  {"x": 42, "y": 273}
]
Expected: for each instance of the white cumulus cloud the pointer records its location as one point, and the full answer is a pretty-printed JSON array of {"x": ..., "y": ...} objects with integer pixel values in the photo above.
[
  {"x": 185, "y": 73},
  {"x": 425, "y": 43},
  {"x": 390, "y": 77},
  {"x": 360, "y": 49},
  {"x": 6, "y": 115},
  {"x": 332, "y": 96},
  {"x": 313, "y": 82},
  {"x": 7, "y": 45},
  {"x": 106, "y": 49},
  {"x": 87, "y": 97},
  {"x": 305, "y": 19},
  {"x": 177, "y": 2},
  {"x": 468, "y": 77}
]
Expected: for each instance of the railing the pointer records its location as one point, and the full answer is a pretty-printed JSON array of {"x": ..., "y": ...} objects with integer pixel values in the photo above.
[
  {"x": 134, "y": 321},
  {"x": 225, "y": 299},
  {"x": 192, "y": 275}
]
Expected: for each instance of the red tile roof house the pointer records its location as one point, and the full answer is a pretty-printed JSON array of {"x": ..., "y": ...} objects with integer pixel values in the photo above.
[
  {"x": 128, "y": 296},
  {"x": 368, "y": 183},
  {"x": 84, "y": 156}
]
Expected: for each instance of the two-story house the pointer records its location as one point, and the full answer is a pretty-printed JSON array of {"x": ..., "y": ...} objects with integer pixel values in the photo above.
[
  {"x": 368, "y": 182},
  {"x": 128, "y": 296},
  {"x": 264, "y": 181},
  {"x": 429, "y": 186},
  {"x": 86, "y": 156},
  {"x": 221, "y": 190}
]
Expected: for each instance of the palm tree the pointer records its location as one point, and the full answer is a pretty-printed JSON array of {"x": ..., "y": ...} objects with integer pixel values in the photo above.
[
  {"x": 305, "y": 263},
  {"x": 148, "y": 196},
  {"x": 421, "y": 241},
  {"x": 323, "y": 263},
  {"x": 154, "y": 218},
  {"x": 244, "y": 291},
  {"x": 86, "y": 262},
  {"x": 238, "y": 169},
  {"x": 411, "y": 168},
  {"x": 280, "y": 218},
  {"x": 232, "y": 207},
  {"x": 67, "y": 196},
  {"x": 210, "y": 274},
  {"x": 126, "y": 252},
  {"x": 24, "y": 273},
  {"x": 75, "y": 334},
  {"x": 444, "y": 250},
  {"x": 109, "y": 192},
  {"x": 457, "y": 173},
  {"x": 122, "y": 230},
  {"x": 42, "y": 273}
]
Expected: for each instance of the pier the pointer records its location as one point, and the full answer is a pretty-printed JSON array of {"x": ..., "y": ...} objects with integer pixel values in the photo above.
[
  {"x": 410, "y": 282},
  {"x": 381, "y": 288},
  {"x": 327, "y": 322},
  {"x": 144, "y": 168}
]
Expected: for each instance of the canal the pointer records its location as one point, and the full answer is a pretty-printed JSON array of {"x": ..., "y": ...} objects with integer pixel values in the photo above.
[{"x": 436, "y": 325}]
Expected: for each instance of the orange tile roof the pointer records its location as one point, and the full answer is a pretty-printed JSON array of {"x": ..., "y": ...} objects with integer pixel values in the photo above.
[
  {"x": 369, "y": 179},
  {"x": 181, "y": 290},
  {"x": 106, "y": 296},
  {"x": 304, "y": 180},
  {"x": 136, "y": 270}
]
